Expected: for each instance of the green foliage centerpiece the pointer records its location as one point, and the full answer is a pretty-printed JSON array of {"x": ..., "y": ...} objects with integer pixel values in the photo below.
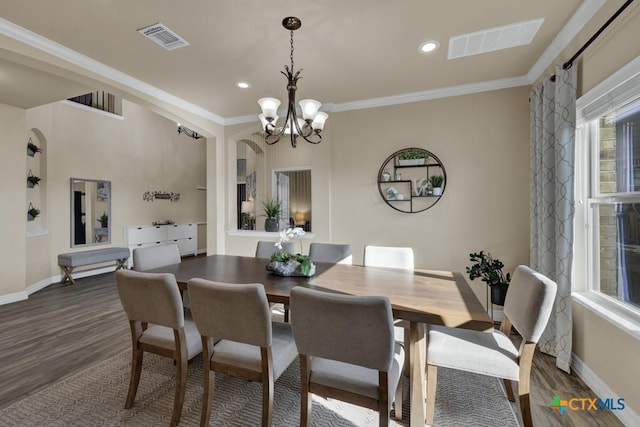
[{"x": 283, "y": 263}]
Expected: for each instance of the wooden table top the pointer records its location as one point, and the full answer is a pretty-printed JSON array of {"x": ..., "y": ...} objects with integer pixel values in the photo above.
[{"x": 432, "y": 297}]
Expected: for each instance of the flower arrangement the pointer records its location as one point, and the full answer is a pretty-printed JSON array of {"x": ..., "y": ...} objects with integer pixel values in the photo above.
[{"x": 286, "y": 264}]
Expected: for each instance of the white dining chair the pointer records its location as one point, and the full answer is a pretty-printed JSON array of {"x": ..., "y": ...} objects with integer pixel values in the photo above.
[
  {"x": 389, "y": 257},
  {"x": 527, "y": 308}
]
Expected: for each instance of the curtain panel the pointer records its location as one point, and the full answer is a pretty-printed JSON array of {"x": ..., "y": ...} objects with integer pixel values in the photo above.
[{"x": 552, "y": 207}]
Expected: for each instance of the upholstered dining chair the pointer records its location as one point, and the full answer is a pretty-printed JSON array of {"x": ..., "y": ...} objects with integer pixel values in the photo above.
[
  {"x": 152, "y": 303},
  {"x": 251, "y": 346},
  {"x": 265, "y": 249},
  {"x": 400, "y": 258},
  {"x": 388, "y": 257},
  {"x": 330, "y": 252},
  {"x": 351, "y": 354},
  {"x": 527, "y": 308},
  {"x": 157, "y": 256}
]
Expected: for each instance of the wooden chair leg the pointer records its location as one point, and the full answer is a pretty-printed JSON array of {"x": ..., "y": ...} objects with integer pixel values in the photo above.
[
  {"x": 305, "y": 399},
  {"x": 525, "y": 408},
  {"x": 383, "y": 399},
  {"x": 407, "y": 354},
  {"x": 181, "y": 387},
  {"x": 398, "y": 399},
  {"x": 207, "y": 395},
  {"x": 134, "y": 380},
  {"x": 286, "y": 314},
  {"x": 509, "y": 388},
  {"x": 267, "y": 386},
  {"x": 432, "y": 382}
]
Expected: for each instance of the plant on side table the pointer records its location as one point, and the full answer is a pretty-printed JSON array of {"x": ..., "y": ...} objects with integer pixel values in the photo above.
[
  {"x": 283, "y": 263},
  {"x": 489, "y": 270},
  {"x": 103, "y": 220},
  {"x": 272, "y": 211}
]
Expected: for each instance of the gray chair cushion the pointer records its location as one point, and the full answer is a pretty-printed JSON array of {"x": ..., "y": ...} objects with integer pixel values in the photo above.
[
  {"x": 356, "y": 379},
  {"x": 484, "y": 353},
  {"x": 162, "y": 336},
  {"x": 248, "y": 356}
]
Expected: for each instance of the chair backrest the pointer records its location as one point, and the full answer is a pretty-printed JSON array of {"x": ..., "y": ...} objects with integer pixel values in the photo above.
[
  {"x": 330, "y": 252},
  {"x": 389, "y": 257},
  {"x": 346, "y": 328},
  {"x": 266, "y": 249},
  {"x": 150, "y": 297},
  {"x": 155, "y": 256},
  {"x": 236, "y": 312},
  {"x": 529, "y": 302}
]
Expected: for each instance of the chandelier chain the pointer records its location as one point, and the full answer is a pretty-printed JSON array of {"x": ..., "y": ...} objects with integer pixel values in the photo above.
[{"x": 291, "y": 56}]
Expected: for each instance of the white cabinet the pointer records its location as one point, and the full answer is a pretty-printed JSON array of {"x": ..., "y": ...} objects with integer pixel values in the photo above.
[{"x": 184, "y": 235}]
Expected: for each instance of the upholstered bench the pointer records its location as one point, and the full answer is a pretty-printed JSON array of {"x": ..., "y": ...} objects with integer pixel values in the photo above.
[{"x": 69, "y": 261}]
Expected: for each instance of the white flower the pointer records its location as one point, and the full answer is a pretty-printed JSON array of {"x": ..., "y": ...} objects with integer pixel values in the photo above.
[{"x": 289, "y": 234}]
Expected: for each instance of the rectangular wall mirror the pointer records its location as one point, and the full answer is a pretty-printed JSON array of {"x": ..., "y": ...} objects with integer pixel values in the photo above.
[{"x": 90, "y": 212}]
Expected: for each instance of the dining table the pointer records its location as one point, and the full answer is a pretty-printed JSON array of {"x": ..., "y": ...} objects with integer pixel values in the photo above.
[{"x": 421, "y": 297}]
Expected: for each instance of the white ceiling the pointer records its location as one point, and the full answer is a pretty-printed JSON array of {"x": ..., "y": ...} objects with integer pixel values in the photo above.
[{"x": 354, "y": 53}]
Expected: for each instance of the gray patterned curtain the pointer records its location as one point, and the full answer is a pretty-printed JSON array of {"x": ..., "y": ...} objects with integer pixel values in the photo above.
[{"x": 553, "y": 124}]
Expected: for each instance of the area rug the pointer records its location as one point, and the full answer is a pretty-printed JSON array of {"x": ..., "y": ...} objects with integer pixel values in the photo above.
[{"x": 95, "y": 397}]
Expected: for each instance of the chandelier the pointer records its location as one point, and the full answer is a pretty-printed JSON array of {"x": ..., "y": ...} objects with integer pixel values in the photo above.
[
  {"x": 190, "y": 133},
  {"x": 312, "y": 121}
]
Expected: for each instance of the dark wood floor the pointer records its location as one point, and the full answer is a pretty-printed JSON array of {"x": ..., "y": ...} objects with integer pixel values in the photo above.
[{"x": 63, "y": 329}]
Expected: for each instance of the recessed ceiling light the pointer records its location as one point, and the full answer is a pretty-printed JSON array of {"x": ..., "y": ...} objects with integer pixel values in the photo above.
[
  {"x": 429, "y": 46},
  {"x": 243, "y": 85}
]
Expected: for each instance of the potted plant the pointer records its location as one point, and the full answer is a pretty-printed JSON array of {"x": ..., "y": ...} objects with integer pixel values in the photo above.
[
  {"x": 412, "y": 157},
  {"x": 32, "y": 213},
  {"x": 489, "y": 270},
  {"x": 32, "y": 149},
  {"x": 32, "y": 180},
  {"x": 436, "y": 184},
  {"x": 103, "y": 220},
  {"x": 283, "y": 263},
  {"x": 272, "y": 210}
]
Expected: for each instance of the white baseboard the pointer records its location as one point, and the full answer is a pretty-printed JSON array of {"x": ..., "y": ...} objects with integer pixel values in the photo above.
[
  {"x": 14, "y": 297},
  {"x": 19, "y": 296},
  {"x": 627, "y": 415}
]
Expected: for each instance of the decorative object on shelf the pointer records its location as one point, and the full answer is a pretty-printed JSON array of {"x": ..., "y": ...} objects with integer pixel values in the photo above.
[
  {"x": 283, "y": 263},
  {"x": 32, "y": 213},
  {"x": 150, "y": 196},
  {"x": 400, "y": 196},
  {"x": 32, "y": 148},
  {"x": 272, "y": 210},
  {"x": 312, "y": 122},
  {"x": 412, "y": 158},
  {"x": 420, "y": 186},
  {"x": 104, "y": 220},
  {"x": 164, "y": 222},
  {"x": 190, "y": 133},
  {"x": 410, "y": 171},
  {"x": 489, "y": 270},
  {"x": 436, "y": 184},
  {"x": 248, "y": 216},
  {"x": 32, "y": 180}
]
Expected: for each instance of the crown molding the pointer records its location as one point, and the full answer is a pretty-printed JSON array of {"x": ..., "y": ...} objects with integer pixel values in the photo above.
[
  {"x": 578, "y": 20},
  {"x": 39, "y": 42}
]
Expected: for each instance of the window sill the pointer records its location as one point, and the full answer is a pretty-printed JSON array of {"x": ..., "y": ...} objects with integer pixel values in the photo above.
[
  {"x": 625, "y": 318},
  {"x": 262, "y": 234}
]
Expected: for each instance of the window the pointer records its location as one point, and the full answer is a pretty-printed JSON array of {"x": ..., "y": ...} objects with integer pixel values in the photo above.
[{"x": 613, "y": 206}]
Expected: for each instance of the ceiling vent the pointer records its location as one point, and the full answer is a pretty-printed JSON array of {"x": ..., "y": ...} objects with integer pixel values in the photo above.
[
  {"x": 518, "y": 34},
  {"x": 162, "y": 35}
]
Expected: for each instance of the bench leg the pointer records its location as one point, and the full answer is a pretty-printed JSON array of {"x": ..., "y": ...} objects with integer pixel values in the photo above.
[
  {"x": 122, "y": 263},
  {"x": 67, "y": 275}
]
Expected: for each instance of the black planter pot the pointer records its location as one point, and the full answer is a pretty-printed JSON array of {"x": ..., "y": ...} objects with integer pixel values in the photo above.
[
  {"x": 271, "y": 224},
  {"x": 499, "y": 293}
]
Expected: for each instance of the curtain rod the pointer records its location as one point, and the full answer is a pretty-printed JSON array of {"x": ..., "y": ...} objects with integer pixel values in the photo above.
[{"x": 569, "y": 63}]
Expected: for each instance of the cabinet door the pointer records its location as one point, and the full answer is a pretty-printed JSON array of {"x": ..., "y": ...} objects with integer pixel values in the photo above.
[
  {"x": 181, "y": 231},
  {"x": 138, "y": 235},
  {"x": 187, "y": 246}
]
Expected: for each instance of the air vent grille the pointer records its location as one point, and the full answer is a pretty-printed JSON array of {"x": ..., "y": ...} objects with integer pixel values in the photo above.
[
  {"x": 492, "y": 39},
  {"x": 162, "y": 35}
]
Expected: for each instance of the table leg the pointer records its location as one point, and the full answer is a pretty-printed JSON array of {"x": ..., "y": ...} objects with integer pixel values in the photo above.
[{"x": 418, "y": 348}]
